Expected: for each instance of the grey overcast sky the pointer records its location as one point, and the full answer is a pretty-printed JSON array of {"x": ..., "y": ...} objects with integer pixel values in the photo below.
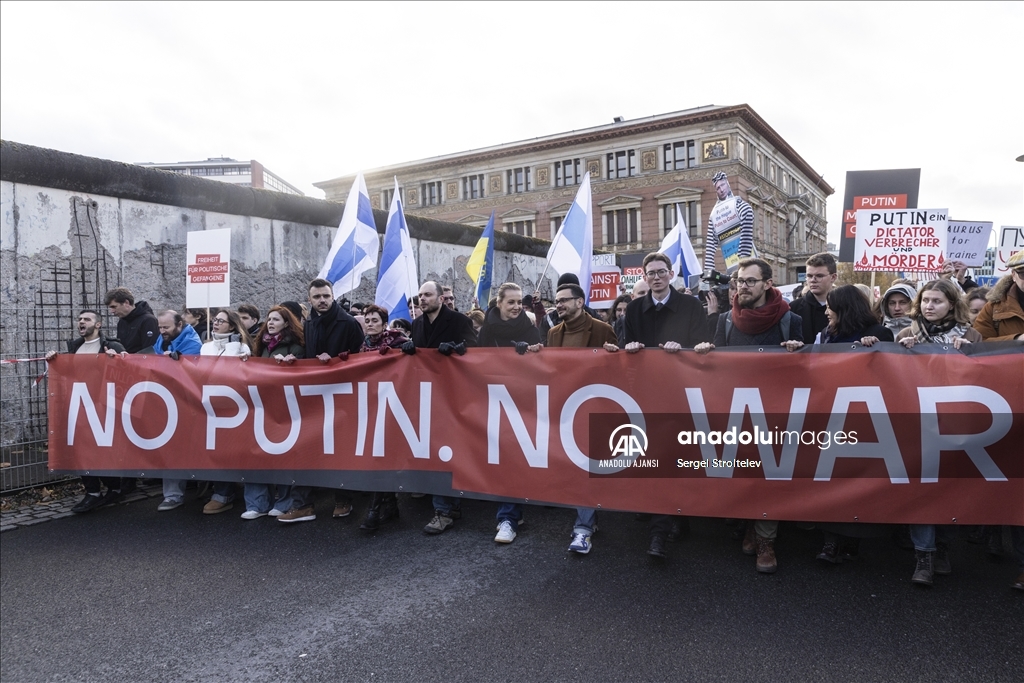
[{"x": 319, "y": 90}]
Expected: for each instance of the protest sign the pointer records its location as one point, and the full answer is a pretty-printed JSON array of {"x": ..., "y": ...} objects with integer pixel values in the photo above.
[
  {"x": 1011, "y": 240},
  {"x": 726, "y": 221},
  {"x": 208, "y": 270},
  {"x": 604, "y": 286},
  {"x": 886, "y": 189},
  {"x": 967, "y": 242},
  {"x": 901, "y": 239}
]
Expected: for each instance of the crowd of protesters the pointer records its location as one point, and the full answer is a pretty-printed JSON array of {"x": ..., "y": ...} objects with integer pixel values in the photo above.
[{"x": 950, "y": 310}]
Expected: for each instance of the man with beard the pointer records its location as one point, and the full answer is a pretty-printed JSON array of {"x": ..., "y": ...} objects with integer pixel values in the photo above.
[
  {"x": 444, "y": 329},
  {"x": 91, "y": 340},
  {"x": 759, "y": 316},
  {"x": 175, "y": 338},
  {"x": 579, "y": 330},
  {"x": 329, "y": 332}
]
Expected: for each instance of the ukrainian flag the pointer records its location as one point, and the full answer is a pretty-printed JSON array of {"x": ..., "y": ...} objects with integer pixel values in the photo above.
[{"x": 480, "y": 266}]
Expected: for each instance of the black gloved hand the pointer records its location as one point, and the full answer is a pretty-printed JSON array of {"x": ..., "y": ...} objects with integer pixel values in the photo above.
[
  {"x": 174, "y": 355},
  {"x": 445, "y": 348},
  {"x": 460, "y": 348},
  {"x": 522, "y": 348},
  {"x": 409, "y": 348}
]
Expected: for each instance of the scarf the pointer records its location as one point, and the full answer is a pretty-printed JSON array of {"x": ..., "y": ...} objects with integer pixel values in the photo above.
[
  {"x": 754, "y": 321},
  {"x": 271, "y": 340},
  {"x": 897, "y": 325},
  {"x": 942, "y": 332}
]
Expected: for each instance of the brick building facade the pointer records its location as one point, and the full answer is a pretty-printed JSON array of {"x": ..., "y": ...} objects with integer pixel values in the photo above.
[{"x": 640, "y": 171}]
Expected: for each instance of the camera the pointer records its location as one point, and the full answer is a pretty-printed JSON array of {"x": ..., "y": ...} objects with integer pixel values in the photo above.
[
  {"x": 715, "y": 278},
  {"x": 719, "y": 284}
]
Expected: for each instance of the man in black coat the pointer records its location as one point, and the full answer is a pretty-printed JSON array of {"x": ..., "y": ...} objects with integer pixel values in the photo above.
[
  {"x": 672, "y": 321},
  {"x": 440, "y": 325},
  {"x": 330, "y": 331},
  {"x": 820, "y": 278},
  {"x": 91, "y": 340},
  {"x": 137, "y": 328}
]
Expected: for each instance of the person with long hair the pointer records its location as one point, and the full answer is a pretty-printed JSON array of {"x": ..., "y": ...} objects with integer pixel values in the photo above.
[
  {"x": 230, "y": 338},
  {"x": 506, "y": 325},
  {"x": 939, "y": 316},
  {"x": 850, "y": 319},
  {"x": 279, "y": 337},
  {"x": 617, "y": 317},
  {"x": 383, "y": 504}
]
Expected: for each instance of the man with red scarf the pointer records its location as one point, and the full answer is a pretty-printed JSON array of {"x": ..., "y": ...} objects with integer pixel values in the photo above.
[{"x": 759, "y": 317}]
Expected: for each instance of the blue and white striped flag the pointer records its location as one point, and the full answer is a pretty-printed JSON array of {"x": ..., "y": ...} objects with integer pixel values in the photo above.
[
  {"x": 356, "y": 245},
  {"x": 572, "y": 249},
  {"x": 677, "y": 247},
  {"x": 397, "y": 281}
]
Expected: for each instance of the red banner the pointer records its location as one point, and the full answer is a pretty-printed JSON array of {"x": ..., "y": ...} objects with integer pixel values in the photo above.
[{"x": 928, "y": 435}]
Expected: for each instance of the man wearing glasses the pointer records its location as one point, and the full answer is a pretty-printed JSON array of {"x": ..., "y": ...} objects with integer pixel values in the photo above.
[
  {"x": 760, "y": 316},
  {"x": 577, "y": 329},
  {"x": 663, "y": 318},
  {"x": 821, "y": 276}
]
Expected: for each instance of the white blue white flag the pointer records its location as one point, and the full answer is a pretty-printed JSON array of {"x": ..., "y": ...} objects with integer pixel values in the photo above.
[
  {"x": 356, "y": 245},
  {"x": 397, "y": 281},
  {"x": 677, "y": 247},
  {"x": 572, "y": 248}
]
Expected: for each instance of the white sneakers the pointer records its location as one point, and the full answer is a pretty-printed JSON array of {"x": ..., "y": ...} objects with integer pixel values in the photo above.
[
  {"x": 253, "y": 514},
  {"x": 505, "y": 532}
]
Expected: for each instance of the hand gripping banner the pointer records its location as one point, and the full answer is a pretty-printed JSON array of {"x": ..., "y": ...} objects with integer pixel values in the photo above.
[{"x": 928, "y": 435}]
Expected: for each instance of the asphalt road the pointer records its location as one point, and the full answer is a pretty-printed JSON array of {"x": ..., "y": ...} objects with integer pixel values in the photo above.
[{"x": 130, "y": 594}]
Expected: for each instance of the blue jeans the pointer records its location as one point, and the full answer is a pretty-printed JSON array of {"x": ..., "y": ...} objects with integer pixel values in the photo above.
[
  {"x": 924, "y": 536},
  {"x": 445, "y": 505},
  {"x": 223, "y": 491},
  {"x": 510, "y": 512},
  {"x": 174, "y": 489},
  {"x": 586, "y": 520},
  {"x": 257, "y": 497}
]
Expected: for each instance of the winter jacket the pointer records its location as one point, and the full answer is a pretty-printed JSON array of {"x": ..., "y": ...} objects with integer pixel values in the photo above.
[
  {"x": 105, "y": 343},
  {"x": 139, "y": 330},
  {"x": 332, "y": 332},
  {"x": 498, "y": 332},
  {"x": 187, "y": 343},
  {"x": 1002, "y": 318},
  {"x": 813, "y": 315},
  {"x": 682, "y": 320},
  {"x": 448, "y": 326}
]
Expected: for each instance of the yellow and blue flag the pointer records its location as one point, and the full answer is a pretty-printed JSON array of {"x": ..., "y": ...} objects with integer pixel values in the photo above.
[{"x": 480, "y": 266}]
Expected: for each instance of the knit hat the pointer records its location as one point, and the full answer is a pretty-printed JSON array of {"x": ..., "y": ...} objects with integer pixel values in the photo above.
[
  {"x": 568, "y": 279},
  {"x": 719, "y": 176}
]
